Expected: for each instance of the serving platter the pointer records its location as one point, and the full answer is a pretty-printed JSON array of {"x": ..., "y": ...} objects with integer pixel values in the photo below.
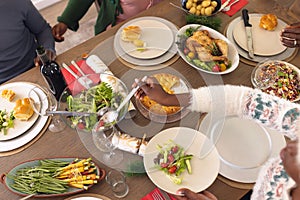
[
  {"x": 33, "y": 131},
  {"x": 145, "y": 64},
  {"x": 265, "y": 43},
  {"x": 233, "y": 55},
  {"x": 236, "y": 140},
  {"x": 20, "y": 127},
  {"x": 7, "y": 181},
  {"x": 206, "y": 168},
  {"x": 157, "y": 36}
]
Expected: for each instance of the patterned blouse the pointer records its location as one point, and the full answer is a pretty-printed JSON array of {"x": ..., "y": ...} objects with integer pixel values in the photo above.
[{"x": 270, "y": 111}]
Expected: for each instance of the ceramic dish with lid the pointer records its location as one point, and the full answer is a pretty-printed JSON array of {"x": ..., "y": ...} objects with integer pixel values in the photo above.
[{"x": 277, "y": 78}]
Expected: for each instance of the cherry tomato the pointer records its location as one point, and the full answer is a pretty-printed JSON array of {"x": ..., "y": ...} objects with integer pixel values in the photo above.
[
  {"x": 215, "y": 68},
  {"x": 186, "y": 51},
  {"x": 175, "y": 149},
  {"x": 80, "y": 125},
  {"x": 164, "y": 165},
  {"x": 172, "y": 169},
  {"x": 191, "y": 55},
  {"x": 170, "y": 158},
  {"x": 223, "y": 67}
]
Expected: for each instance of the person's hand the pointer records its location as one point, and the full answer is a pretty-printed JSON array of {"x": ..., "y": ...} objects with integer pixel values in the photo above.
[
  {"x": 290, "y": 35},
  {"x": 151, "y": 88},
  {"x": 51, "y": 55},
  {"x": 58, "y": 31},
  {"x": 289, "y": 158},
  {"x": 186, "y": 194}
]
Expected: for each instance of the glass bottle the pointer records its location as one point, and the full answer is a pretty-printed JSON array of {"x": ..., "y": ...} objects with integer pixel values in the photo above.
[{"x": 51, "y": 72}]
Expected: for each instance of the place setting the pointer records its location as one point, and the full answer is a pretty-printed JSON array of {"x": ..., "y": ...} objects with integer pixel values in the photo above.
[
  {"x": 26, "y": 125},
  {"x": 265, "y": 38},
  {"x": 146, "y": 43},
  {"x": 240, "y": 153}
]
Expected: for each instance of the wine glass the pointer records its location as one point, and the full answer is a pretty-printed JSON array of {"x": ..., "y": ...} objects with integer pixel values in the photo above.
[
  {"x": 46, "y": 103},
  {"x": 107, "y": 141}
]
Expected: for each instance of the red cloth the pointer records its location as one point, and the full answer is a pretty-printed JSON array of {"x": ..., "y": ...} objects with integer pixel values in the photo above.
[
  {"x": 149, "y": 196},
  {"x": 74, "y": 85},
  {"x": 235, "y": 7}
]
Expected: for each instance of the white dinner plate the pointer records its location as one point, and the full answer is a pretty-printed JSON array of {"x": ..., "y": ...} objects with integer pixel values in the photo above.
[
  {"x": 157, "y": 36},
  {"x": 243, "y": 145},
  {"x": 32, "y": 132},
  {"x": 88, "y": 196},
  {"x": 21, "y": 90},
  {"x": 204, "y": 169},
  {"x": 265, "y": 43},
  {"x": 145, "y": 62},
  {"x": 233, "y": 55},
  {"x": 229, "y": 34}
]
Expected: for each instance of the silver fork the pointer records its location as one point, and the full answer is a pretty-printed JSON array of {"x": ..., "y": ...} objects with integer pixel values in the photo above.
[
  {"x": 227, "y": 8},
  {"x": 156, "y": 196}
]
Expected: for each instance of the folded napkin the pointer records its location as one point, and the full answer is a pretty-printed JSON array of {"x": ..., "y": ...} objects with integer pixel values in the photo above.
[
  {"x": 235, "y": 7},
  {"x": 98, "y": 66},
  {"x": 150, "y": 195}
]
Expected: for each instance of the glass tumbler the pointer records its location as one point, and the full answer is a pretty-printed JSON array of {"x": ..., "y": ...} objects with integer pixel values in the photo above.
[{"x": 117, "y": 181}]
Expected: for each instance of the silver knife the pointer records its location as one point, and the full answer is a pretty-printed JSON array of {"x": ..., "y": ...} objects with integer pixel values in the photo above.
[{"x": 248, "y": 27}]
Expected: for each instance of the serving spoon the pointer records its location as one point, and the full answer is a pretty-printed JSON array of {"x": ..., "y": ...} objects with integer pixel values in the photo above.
[{"x": 109, "y": 118}]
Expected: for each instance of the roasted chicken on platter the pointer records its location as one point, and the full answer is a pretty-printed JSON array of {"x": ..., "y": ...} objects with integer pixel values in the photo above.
[{"x": 207, "y": 48}]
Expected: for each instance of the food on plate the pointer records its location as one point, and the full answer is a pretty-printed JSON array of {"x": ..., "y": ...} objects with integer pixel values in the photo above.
[
  {"x": 131, "y": 33},
  {"x": 278, "y": 78},
  {"x": 204, "y": 51},
  {"x": 130, "y": 144},
  {"x": 127, "y": 142},
  {"x": 23, "y": 109},
  {"x": 173, "y": 161},
  {"x": 6, "y": 121},
  {"x": 8, "y": 94},
  {"x": 167, "y": 81},
  {"x": 201, "y": 7},
  {"x": 54, "y": 176},
  {"x": 268, "y": 22},
  {"x": 92, "y": 100}
]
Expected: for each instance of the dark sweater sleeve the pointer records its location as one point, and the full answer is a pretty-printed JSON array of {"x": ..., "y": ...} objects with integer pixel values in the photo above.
[
  {"x": 74, "y": 11},
  {"x": 39, "y": 27}
]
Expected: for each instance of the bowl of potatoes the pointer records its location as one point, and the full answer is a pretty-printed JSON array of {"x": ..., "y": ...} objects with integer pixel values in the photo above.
[{"x": 202, "y": 7}]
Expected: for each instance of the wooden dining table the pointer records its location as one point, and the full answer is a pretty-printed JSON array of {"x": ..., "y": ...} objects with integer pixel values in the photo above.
[{"x": 68, "y": 144}]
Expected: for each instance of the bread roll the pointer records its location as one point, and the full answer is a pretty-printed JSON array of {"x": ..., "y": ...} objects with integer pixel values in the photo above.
[
  {"x": 8, "y": 94},
  {"x": 268, "y": 22},
  {"x": 23, "y": 109},
  {"x": 131, "y": 33}
]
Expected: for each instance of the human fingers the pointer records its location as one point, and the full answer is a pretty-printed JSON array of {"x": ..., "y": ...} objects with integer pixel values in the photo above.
[
  {"x": 289, "y": 42},
  {"x": 186, "y": 194},
  {"x": 36, "y": 62}
]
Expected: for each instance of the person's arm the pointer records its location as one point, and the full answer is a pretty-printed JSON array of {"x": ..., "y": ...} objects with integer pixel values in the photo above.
[
  {"x": 245, "y": 102},
  {"x": 41, "y": 30},
  {"x": 74, "y": 11}
]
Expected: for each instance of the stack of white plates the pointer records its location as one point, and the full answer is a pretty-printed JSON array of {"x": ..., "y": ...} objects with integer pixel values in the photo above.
[
  {"x": 159, "y": 36},
  {"x": 23, "y": 131}
]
